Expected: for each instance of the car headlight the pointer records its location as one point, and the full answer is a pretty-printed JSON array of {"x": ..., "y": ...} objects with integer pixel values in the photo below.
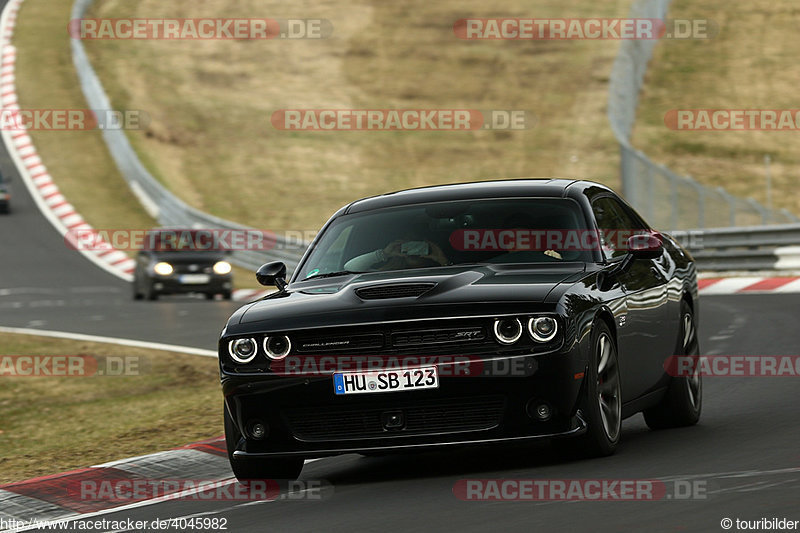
[
  {"x": 277, "y": 347},
  {"x": 243, "y": 350},
  {"x": 507, "y": 330},
  {"x": 163, "y": 269},
  {"x": 543, "y": 328},
  {"x": 222, "y": 268}
]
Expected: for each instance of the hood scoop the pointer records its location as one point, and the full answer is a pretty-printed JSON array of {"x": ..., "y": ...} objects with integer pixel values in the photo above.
[{"x": 394, "y": 290}]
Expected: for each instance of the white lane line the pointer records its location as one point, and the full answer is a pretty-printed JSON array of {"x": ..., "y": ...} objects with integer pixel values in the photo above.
[{"x": 110, "y": 340}]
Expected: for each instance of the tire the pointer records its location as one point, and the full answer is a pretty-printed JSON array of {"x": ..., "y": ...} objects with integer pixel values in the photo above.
[
  {"x": 150, "y": 293},
  {"x": 683, "y": 402},
  {"x": 210, "y": 295},
  {"x": 136, "y": 294},
  {"x": 227, "y": 295},
  {"x": 601, "y": 400},
  {"x": 257, "y": 468}
]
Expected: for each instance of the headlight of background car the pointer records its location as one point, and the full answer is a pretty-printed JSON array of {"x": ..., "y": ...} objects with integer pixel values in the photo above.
[
  {"x": 243, "y": 350},
  {"x": 507, "y": 330},
  {"x": 543, "y": 328},
  {"x": 162, "y": 269},
  {"x": 222, "y": 268},
  {"x": 277, "y": 347}
]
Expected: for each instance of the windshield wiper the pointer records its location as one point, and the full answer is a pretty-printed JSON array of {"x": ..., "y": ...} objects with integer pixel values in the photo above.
[{"x": 332, "y": 274}]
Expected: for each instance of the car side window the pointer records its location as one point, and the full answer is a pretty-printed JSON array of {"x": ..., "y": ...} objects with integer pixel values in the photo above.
[{"x": 615, "y": 224}]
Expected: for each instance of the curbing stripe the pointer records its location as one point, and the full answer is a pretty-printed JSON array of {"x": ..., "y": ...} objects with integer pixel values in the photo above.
[
  {"x": 25, "y": 157},
  {"x": 749, "y": 285},
  {"x": 768, "y": 284},
  {"x": 46, "y": 194}
]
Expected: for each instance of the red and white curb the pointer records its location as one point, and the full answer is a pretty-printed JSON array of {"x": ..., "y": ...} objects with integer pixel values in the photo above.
[
  {"x": 55, "y": 498},
  {"x": 34, "y": 173},
  {"x": 749, "y": 285},
  {"x": 49, "y": 199},
  {"x": 64, "y": 217}
]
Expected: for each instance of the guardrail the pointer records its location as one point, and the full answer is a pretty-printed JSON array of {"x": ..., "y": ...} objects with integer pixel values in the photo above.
[
  {"x": 168, "y": 209},
  {"x": 664, "y": 198},
  {"x": 775, "y": 248}
]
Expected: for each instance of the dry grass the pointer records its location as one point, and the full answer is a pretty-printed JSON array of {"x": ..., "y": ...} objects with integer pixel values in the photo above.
[
  {"x": 50, "y": 424},
  {"x": 78, "y": 161},
  {"x": 751, "y": 64},
  {"x": 211, "y": 140}
]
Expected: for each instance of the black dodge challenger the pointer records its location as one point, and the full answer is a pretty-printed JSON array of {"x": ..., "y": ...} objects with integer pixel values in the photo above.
[{"x": 478, "y": 313}]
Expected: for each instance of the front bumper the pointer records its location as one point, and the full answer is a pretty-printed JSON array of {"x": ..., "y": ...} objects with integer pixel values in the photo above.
[
  {"x": 306, "y": 419},
  {"x": 172, "y": 285},
  {"x": 578, "y": 428}
]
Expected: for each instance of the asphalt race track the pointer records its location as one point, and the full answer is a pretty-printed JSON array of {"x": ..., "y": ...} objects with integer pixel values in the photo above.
[
  {"x": 746, "y": 449},
  {"x": 45, "y": 285}
]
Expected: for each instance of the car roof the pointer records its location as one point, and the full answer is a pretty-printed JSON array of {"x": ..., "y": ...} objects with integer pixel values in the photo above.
[{"x": 521, "y": 187}]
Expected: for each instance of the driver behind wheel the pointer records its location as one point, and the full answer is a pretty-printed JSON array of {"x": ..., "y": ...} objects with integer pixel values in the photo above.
[{"x": 413, "y": 250}]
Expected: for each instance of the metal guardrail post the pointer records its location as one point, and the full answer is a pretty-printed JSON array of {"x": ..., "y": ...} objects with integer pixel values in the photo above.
[
  {"x": 760, "y": 209},
  {"x": 731, "y": 204},
  {"x": 625, "y": 83}
]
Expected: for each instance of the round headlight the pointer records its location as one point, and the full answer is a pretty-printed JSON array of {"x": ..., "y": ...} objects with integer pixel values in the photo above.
[
  {"x": 507, "y": 330},
  {"x": 162, "y": 269},
  {"x": 242, "y": 350},
  {"x": 222, "y": 268},
  {"x": 543, "y": 328},
  {"x": 277, "y": 347}
]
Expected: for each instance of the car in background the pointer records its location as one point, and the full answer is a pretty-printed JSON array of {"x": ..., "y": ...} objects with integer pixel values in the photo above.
[
  {"x": 173, "y": 261},
  {"x": 5, "y": 196},
  {"x": 468, "y": 314}
]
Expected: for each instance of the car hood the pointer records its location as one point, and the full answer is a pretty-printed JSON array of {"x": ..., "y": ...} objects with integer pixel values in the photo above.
[{"x": 457, "y": 291}]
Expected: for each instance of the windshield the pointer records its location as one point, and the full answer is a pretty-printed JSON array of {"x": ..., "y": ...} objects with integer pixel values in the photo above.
[{"x": 535, "y": 230}]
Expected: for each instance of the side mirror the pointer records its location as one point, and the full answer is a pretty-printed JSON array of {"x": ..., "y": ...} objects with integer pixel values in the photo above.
[
  {"x": 645, "y": 246},
  {"x": 272, "y": 275}
]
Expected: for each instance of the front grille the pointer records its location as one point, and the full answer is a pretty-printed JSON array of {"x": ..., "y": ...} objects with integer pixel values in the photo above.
[
  {"x": 327, "y": 343},
  {"x": 457, "y": 336},
  {"x": 192, "y": 268},
  {"x": 401, "y": 290},
  {"x": 438, "y": 336},
  {"x": 422, "y": 418}
]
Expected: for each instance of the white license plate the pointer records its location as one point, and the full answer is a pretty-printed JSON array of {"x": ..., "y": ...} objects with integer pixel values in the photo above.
[
  {"x": 194, "y": 279},
  {"x": 386, "y": 380}
]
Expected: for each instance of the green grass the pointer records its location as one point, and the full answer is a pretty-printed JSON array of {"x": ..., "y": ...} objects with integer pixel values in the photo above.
[{"x": 53, "y": 424}]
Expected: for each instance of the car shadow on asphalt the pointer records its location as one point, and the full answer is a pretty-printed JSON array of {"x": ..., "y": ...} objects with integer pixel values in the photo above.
[{"x": 638, "y": 444}]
